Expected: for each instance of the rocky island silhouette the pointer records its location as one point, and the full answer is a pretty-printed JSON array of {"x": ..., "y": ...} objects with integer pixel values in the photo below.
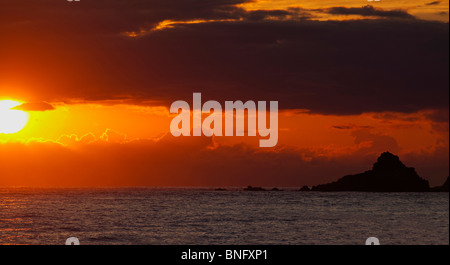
[{"x": 388, "y": 174}]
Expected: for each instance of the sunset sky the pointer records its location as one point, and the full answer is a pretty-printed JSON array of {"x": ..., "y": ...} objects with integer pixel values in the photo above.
[{"x": 92, "y": 83}]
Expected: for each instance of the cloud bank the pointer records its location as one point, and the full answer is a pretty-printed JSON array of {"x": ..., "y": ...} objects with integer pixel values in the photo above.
[{"x": 391, "y": 63}]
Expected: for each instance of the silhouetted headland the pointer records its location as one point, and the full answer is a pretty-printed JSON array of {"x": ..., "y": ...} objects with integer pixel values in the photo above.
[{"x": 388, "y": 174}]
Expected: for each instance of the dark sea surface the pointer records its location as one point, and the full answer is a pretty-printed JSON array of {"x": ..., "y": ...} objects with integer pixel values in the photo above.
[{"x": 159, "y": 216}]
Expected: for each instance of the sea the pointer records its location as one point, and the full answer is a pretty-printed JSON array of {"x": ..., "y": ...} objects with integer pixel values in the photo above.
[{"x": 200, "y": 216}]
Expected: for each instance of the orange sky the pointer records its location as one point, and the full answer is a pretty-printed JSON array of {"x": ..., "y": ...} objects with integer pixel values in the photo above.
[
  {"x": 78, "y": 128},
  {"x": 109, "y": 126},
  {"x": 331, "y": 134}
]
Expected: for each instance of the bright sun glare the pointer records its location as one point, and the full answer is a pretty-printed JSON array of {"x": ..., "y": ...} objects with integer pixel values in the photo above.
[{"x": 11, "y": 121}]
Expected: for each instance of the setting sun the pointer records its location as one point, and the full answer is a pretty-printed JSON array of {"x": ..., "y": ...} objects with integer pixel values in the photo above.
[{"x": 11, "y": 121}]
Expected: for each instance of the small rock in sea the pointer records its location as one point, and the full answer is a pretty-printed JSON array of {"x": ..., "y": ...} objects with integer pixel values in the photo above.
[
  {"x": 250, "y": 188},
  {"x": 305, "y": 188}
]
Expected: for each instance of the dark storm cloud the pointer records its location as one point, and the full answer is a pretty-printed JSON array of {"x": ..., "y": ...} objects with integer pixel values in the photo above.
[
  {"x": 107, "y": 18},
  {"x": 328, "y": 67},
  {"x": 335, "y": 67},
  {"x": 369, "y": 11}
]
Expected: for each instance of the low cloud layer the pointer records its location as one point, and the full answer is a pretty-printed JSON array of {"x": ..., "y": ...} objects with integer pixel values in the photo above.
[{"x": 112, "y": 160}]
